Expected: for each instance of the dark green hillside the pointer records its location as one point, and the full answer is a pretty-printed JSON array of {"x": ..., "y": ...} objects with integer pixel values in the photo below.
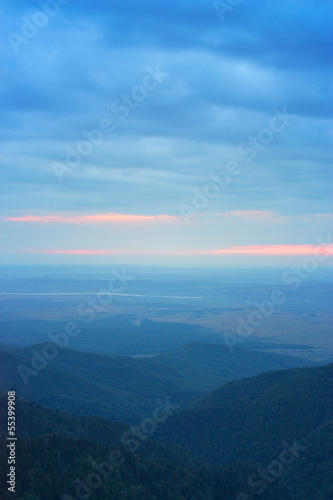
[
  {"x": 213, "y": 364},
  {"x": 315, "y": 466},
  {"x": 71, "y": 392},
  {"x": 124, "y": 388},
  {"x": 74, "y": 447},
  {"x": 54, "y": 467},
  {"x": 252, "y": 419},
  {"x": 247, "y": 418},
  {"x": 34, "y": 420}
]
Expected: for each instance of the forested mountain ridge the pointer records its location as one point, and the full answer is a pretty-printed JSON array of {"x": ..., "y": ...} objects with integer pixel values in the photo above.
[
  {"x": 286, "y": 404},
  {"x": 243, "y": 427},
  {"x": 83, "y": 457},
  {"x": 125, "y": 388},
  {"x": 257, "y": 419}
]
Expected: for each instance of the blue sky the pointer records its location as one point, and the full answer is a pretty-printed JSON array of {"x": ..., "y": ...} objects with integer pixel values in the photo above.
[{"x": 165, "y": 132}]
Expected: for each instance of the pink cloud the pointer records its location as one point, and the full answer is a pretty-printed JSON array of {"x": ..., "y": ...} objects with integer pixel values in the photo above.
[
  {"x": 266, "y": 250},
  {"x": 92, "y": 219},
  {"x": 277, "y": 250}
]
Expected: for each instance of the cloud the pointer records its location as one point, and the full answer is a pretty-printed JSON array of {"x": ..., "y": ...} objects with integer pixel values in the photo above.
[
  {"x": 91, "y": 219},
  {"x": 265, "y": 250},
  {"x": 278, "y": 250},
  {"x": 316, "y": 217},
  {"x": 224, "y": 80},
  {"x": 259, "y": 216}
]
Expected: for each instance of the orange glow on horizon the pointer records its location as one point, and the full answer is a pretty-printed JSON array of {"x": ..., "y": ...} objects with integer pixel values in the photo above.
[
  {"x": 92, "y": 219},
  {"x": 277, "y": 249},
  {"x": 117, "y": 218},
  {"x": 265, "y": 250}
]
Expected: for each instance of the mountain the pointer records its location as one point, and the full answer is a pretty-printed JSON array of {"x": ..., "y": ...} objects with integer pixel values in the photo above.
[
  {"x": 83, "y": 457},
  {"x": 34, "y": 420},
  {"x": 264, "y": 437},
  {"x": 126, "y": 388},
  {"x": 315, "y": 467},
  {"x": 210, "y": 365},
  {"x": 258, "y": 419}
]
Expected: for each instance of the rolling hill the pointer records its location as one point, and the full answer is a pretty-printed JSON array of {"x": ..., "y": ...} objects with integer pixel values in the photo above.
[
  {"x": 67, "y": 457},
  {"x": 125, "y": 388},
  {"x": 259, "y": 418}
]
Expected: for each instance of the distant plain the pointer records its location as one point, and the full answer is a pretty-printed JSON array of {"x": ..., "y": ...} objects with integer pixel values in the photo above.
[{"x": 162, "y": 310}]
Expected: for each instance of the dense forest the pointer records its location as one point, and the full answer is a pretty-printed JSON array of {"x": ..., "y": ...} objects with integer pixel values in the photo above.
[
  {"x": 259, "y": 418},
  {"x": 265, "y": 437},
  {"x": 64, "y": 456},
  {"x": 122, "y": 387}
]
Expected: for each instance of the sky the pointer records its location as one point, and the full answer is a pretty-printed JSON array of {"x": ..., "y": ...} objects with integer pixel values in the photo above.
[{"x": 166, "y": 133}]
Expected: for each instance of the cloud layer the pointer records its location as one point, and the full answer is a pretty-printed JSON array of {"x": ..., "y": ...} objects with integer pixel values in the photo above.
[{"x": 125, "y": 112}]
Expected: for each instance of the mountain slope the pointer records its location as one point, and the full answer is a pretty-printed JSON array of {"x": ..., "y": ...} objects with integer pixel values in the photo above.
[
  {"x": 124, "y": 388},
  {"x": 315, "y": 466},
  {"x": 57, "y": 467},
  {"x": 270, "y": 407},
  {"x": 59, "y": 464},
  {"x": 210, "y": 364},
  {"x": 56, "y": 388},
  {"x": 256, "y": 419}
]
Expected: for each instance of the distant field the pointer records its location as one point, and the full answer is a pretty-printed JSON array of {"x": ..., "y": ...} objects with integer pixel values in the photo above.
[{"x": 156, "y": 314}]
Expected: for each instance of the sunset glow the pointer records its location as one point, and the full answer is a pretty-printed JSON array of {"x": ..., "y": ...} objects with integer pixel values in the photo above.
[
  {"x": 266, "y": 250},
  {"x": 278, "y": 250},
  {"x": 91, "y": 219},
  {"x": 139, "y": 157}
]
